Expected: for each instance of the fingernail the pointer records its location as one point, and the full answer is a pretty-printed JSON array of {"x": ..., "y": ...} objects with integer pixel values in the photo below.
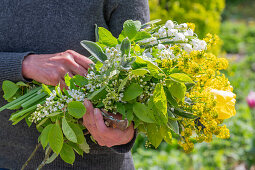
[
  {"x": 86, "y": 102},
  {"x": 96, "y": 112}
]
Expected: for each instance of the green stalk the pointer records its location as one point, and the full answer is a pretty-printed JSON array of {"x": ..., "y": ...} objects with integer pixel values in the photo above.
[
  {"x": 21, "y": 118},
  {"x": 24, "y": 111},
  {"x": 33, "y": 100},
  {"x": 20, "y": 98},
  {"x": 18, "y": 104}
]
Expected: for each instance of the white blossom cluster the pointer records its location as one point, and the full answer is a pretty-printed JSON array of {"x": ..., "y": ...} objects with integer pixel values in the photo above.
[
  {"x": 180, "y": 34},
  {"x": 56, "y": 103}
]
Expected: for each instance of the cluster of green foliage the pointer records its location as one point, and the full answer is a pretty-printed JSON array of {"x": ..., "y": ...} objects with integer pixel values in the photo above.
[
  {"x": 220, "y": 154},
  {"x": 205, "y": 14},
  {"x": 238, "y": 37}
]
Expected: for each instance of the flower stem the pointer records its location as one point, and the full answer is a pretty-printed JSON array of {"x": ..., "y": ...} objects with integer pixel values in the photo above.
[
  {"x": 31, "y": 156},
  {"x": 47, "y": 155}
]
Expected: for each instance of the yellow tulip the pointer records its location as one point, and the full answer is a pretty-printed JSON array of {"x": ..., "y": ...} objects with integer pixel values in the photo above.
[{"x": 225, "y": 103}]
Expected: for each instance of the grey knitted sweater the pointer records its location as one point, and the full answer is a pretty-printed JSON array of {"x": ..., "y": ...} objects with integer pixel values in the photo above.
[{"x": 50, "y": 26}]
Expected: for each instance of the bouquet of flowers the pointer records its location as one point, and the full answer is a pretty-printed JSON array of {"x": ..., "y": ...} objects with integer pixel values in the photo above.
[{"x": 161, "y": 77}]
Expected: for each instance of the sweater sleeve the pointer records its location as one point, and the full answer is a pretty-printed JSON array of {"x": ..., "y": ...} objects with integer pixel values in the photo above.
[
  {"x": 125, "y": 10},
  {"x": 118, "y": 12},
  {"x": 11, "y": 66}
]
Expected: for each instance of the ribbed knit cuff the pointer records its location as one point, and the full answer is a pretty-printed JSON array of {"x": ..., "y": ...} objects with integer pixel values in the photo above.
[{"x": 11, "y": 66}]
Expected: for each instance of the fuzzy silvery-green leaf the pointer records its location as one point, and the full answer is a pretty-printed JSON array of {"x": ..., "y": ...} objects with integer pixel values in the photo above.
[
  {"x": 67, "y": 154},
  {"x": 96, "y": 33},
  {"x": 154, "y": 135},
  {"x": 78, "y": 132},
  {"x": 123, "y": 83},
  {"x": 131, "y": 28},
  {"x": 68, "y": 131},
  {"x": 125, "y": 47},
  {"x": 143, "y": 113},
  {"x": 151, "y": 22},
  {"x": 9, "y": 89},
  {"x": 95, "y": 50},
  {"x": 106, "y": 37},
  {"x": 181, "y": 78},
  {"x": 178, "y": 90},
  {"x": 56, "y": 138},
  {"x": 76, "y": 109},
  {"x": 132, "y": 91}
]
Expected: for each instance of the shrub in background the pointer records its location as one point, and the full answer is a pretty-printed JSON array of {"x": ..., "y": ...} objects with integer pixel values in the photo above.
[{"x": 206, "y": 14}]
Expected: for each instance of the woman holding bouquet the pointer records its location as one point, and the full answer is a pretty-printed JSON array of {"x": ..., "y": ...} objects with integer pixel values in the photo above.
[{"x": 35, "y": 42}]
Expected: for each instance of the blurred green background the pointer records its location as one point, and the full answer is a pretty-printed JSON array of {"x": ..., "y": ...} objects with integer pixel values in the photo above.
[{"x": 234, "y": 22}]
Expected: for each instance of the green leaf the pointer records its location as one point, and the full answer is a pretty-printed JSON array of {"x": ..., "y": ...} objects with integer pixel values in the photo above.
[
  {"x": 181, "y": 78},
  {"x": 142, "y": 35},
  {"x": 76, "y": 109},
  {"x": 170, "y": 98},
  {"x": 140, "y": 72},
  {"x": 153, "y": 133},
  {"x": 167, "y": 135},
  {"x": 46, "y": 89},
  {"x": 51, "y": 158},
  {"x": 178, "y": 90},
  {"x": 84, "y": 146},
  {"x": 173, "y": 124},
  {"x": 132, "y": 92},
  {"x": 95, "y": 50},
  {"x": 183, "y": 113},
  {"x": 143, "y": 113},
  {"x": 22, "y": 84},
  {"x": 121, "y": 108},
  {"x": 159, "y": 99},
  {"x": 99, "y": 94},
  {"x": 67, "y": 154},
  {"x": 68, "y": 131},
  {"x": 122, "y": 36},
  {"x": 131, "y": 28},
  {"x": 56, "y": 138},
  {"x": 125, "y": 47},
  {"x": 9, "y": 89},
  {"x": 80, "y": 80},
  {"x": 67, "y": 79},
  {"x": 78, "y": 132},
  {"x": 76, "y": 148},
  {"x": 98, "y": 65},
  {"x": 106, "y": 37}
]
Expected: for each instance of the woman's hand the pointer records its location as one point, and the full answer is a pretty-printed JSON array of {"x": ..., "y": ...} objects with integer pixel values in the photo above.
[
  {"x": 50, "y": 69},
  {"x": 105, "y": 136}
]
